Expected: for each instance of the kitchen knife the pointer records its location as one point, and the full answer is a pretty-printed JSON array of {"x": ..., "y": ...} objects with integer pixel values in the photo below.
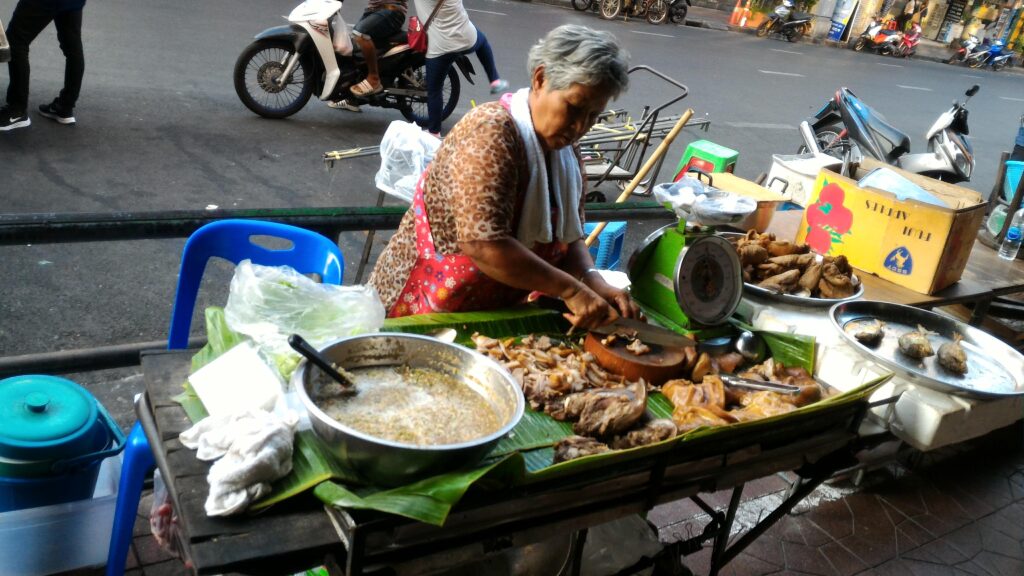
[{"x": 647, "y": 333}]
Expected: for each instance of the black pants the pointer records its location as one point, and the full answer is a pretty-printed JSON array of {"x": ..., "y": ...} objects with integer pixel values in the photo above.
[{"x": 29, "y": 19}]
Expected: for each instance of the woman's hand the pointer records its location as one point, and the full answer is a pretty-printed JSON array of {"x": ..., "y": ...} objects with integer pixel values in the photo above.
[
  {"x": 616, "y": 296},
  {"x": 588, "y": 309}
]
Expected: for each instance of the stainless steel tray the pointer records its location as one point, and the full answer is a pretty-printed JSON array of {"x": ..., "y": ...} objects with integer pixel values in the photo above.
[
  {"x": 793, "y": 299},
  {"x": 993, "y": 368}
]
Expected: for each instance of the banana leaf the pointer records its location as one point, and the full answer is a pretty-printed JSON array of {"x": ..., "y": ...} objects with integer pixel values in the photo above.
[{"x": 311, "y": 465}]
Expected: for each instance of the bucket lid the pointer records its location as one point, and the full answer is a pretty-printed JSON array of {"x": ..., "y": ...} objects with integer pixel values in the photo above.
[{"x": 44, "y": 417}]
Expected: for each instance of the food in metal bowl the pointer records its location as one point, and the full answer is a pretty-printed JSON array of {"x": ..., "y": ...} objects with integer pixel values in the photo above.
[{"x": 420, "y": 406}]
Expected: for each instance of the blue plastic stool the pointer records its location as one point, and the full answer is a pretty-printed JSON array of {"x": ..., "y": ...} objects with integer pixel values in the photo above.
[
  {"x": 1014, "y": 168},
  {"x": 310, "y": 253},
  {"x": 607, "y": 251}
]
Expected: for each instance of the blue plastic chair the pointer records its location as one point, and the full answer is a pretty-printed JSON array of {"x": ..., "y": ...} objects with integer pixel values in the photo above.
[{"x": 231, "y": 240}]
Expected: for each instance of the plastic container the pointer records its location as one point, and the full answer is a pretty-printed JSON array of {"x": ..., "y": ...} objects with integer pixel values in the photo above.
[
  {"x": 607, "y": 251},
  {"x": 1014, "y": 169},
  {"x": 798, "y": 172},
  {"x": 61, "y": 537}
]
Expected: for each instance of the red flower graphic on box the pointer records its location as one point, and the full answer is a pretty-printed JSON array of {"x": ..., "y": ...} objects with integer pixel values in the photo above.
[{"x": 827, "y": 219}]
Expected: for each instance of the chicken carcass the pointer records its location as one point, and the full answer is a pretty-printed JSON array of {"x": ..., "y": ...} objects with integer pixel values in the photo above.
[
  {"x": 604, "y": 412},
  {"x": 574, "y": 447},
  {"x": 650, "y": 433}
]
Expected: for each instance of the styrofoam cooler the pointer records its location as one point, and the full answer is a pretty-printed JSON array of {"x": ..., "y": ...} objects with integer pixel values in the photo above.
[{"x": 798, "y": 171}]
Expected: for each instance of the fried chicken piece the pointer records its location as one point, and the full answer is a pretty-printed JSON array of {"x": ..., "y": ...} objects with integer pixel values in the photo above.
[
  {"x": 915, "y": 343},
  {"x": 782, "y": 283},
  {"x": 603, "y": 412},
  {"x": 752, "y": 254},
  {"x": 577, "y": 447},
  {"x": 842, "y": 264},
  {"x": 810, "y": 278},
  {"x": 834, "y": 283},
  {"x": 768, "y": 269},
  {"x": 650, "y": 433},
  {"x": 953, "y": 357}
]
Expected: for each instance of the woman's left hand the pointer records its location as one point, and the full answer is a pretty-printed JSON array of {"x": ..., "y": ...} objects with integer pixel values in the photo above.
[{"x": 617, "y": 297}]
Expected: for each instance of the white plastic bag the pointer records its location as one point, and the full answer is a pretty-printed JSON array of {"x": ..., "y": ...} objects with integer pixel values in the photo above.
[
  {"x": 694, "y": 202},
  {"x": 270, "y": 303},
  {"x": 405, "y": 152},
  {"x": 342, "y": 39}
]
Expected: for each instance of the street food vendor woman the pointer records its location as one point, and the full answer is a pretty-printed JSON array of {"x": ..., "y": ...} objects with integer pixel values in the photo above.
[{"x": 499, "y": 211}]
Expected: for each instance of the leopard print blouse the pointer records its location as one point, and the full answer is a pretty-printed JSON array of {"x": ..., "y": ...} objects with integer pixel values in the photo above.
[{"x": 471, "y": 191}]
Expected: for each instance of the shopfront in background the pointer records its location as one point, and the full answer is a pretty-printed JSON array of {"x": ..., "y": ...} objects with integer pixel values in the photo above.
[{"x": 949, "y": 20}]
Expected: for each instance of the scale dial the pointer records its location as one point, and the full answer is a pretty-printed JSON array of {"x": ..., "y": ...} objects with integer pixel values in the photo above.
[{"x": 708, "y": 280}]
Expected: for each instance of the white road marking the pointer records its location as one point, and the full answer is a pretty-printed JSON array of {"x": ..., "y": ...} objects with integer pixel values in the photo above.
[
  {"x": 914, "y": 88},
  {"x": 486, "y": 12},
  {"x": 760, "y": 125},
  {"x": 787, "y": 51},
  {"x": 972, "y": 76},
  {"x": 781, "y": 73},
  {"x": 1011, "y": 99},
  {"x": 652, "y": 34},
  {"x": 889, "y": 65}
]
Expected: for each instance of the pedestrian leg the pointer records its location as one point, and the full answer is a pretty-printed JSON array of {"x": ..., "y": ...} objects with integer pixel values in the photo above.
[
  {"x": 486, "y": 56},
  {"x": 437, "y": 71},
  {"x": 69, "y": 33},
  {"x": 28, "y": 21}
]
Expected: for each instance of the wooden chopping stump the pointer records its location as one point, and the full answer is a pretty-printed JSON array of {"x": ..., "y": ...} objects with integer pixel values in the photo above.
[{"x": 656, "y": 367}]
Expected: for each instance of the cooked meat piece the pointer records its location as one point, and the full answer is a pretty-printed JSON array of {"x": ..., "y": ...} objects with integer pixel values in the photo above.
[
  {"x": 604, "y": 412},
  {"x": 727, "y": 362},
  {"x": 752, "y": 254},
  {"x": 689, "y": 418},
  {"x": 691, "y": 359},
  {"x": 577, "y": 447},
  {"x": 915, "y": 343},
  {"x": 953, "y": 357},
  {"x": 762, "y": 404},
  {"x": 701, "y": 368},
  {"x": 868, "y": 333},
  {"x": 834, "y": 283},
  {"x": 810, "y": 278},
  {"x": 842, "y": 264},
  {"x": 768, "y": 269},
  {"x": 638, "y": 348},
  {"x": 710, "y": 394},
  {"x": 782, "y": 283},
  {"x": 782, "y": 248},
  {"x": 650, "y": 433},
  {"x": 748, "y": 273}
]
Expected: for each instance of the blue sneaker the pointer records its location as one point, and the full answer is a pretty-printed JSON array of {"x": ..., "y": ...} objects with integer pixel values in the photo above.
[{"x": 499, "y": 85}]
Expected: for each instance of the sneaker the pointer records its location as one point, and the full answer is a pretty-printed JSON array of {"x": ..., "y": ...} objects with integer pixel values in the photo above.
[
  {"x": 344, "y": 105},
  {"x": 498, "y": 85},
  {"x": 11, "y": 121},
  {"x": 53, "y": 112}
]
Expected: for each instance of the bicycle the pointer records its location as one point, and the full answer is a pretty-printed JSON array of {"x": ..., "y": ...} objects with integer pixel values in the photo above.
[
  {"x": 656, "y": 11},
  {"x": 584, "y": 5}
]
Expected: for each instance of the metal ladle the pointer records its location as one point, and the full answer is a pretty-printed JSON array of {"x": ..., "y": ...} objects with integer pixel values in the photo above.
[
  {"x": 300, "y": 345},
  {"x": 751, "y": 346}
]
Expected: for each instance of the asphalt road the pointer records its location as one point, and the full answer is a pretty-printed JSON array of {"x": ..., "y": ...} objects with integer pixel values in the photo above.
[{"x": 161, "y": 128}]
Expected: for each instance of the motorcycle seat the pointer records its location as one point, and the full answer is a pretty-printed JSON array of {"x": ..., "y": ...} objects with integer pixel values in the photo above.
[
  {"x": 893, "y": 137},
  {"x": 799, "y": 16}
]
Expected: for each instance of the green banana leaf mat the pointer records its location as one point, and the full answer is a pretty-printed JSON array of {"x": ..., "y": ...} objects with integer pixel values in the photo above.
[{"x": 524, "y": 456}]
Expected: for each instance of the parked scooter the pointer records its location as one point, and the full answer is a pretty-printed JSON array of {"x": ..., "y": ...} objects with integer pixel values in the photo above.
[
  {"x": 786, "y": 22},
  {"x": 967, "y": 47},
  {"x": 275, "y": 75},
  {"x": 879, "y": 37},
  {"x": 677, "y": 11},
  {"x": 908, "y": 42},
  {"x": 996, "y": 57},
  {"x": 847, "y": 128}
]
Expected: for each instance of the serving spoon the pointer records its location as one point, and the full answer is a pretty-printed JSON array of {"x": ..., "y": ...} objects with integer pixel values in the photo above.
[{"x": 300, "y": 345}]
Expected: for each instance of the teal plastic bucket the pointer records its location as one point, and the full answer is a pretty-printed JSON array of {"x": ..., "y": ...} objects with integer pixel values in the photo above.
[{"x": 53, "y": 437}]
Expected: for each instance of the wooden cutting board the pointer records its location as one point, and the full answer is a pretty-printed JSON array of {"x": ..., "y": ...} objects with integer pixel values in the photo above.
[{"x": 656, "y": 367}]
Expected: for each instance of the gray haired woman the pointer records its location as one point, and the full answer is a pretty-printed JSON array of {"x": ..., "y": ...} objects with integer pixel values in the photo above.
[{"x": 499, "y": 212}]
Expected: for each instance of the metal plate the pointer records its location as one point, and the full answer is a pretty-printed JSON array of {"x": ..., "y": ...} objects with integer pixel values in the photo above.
[
  {"x": 993, "y": 368},
  {"x": 793, "y": 299}
]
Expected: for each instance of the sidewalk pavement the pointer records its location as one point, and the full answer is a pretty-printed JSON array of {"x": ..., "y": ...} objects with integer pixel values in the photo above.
[{"x": 710, "y": 18}]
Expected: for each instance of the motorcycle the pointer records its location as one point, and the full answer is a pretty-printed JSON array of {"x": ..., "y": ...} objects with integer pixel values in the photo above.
[
  {"x": 848, "y": 129},
  {"x": 908, "y": 42},
  {"x": 276, "y": 74},
  {"x": 995, "y": 57},
  {"x": 879, "y": 36},
  {"x": 656, "y": 11},
  {"x": 677, "y": 11},
  {"x": 786, "y": 22},
  {"x": 966, "y": 49}
]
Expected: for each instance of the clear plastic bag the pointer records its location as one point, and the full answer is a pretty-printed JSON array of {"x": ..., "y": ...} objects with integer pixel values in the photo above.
[
  {"x": 694, "y": 202},
  {"x": 270, "y": 303},
  {"x": 405, "y": 152}
]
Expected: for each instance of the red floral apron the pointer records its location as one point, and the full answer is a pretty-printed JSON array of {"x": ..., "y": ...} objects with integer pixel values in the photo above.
[{"x": 452, "y": 282}]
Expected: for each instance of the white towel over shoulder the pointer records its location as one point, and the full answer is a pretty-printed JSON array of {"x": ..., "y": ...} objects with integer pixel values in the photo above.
[{"x": 565, "y": 179}]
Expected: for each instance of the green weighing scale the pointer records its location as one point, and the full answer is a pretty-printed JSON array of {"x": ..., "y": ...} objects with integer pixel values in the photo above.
[{"x": 689, "y": 277}]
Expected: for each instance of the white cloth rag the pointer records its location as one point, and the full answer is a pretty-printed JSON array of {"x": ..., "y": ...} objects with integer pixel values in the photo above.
[
  {"x": 251, "y": 448},
  {"x": 566, "y": 184}
]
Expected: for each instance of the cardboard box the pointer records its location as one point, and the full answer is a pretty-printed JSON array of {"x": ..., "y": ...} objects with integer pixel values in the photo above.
[
  {"x": 767, "y": 200},
  {"x": 917, "y": 245}
]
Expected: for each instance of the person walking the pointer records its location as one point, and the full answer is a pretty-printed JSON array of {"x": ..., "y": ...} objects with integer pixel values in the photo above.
[
  {"x": 29, "y": 19},
  {"x": 449, "y": 36},
  {"x": 907, "y": 15}
]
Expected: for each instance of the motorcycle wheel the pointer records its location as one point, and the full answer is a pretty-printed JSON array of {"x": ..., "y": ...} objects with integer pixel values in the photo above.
[
  {"x": 677, "y": 14},
  {"x": 829, "y": 142},
  {"x": 414, "y": 108},
  {"x": 764, "y": 28},
  {"x": 581, "y": 5},
  {"x": 953, "y": 59},
  {"x": 997, "y": 66},
  {"x": 976, "y": 62},
  {"x": 859, "y": 44},
  {"x": 257, "y": 68},
  {"x": 657, "y": 12},
  {"x": 610, "y": 9},
  {"x": 795, "y": 34}
]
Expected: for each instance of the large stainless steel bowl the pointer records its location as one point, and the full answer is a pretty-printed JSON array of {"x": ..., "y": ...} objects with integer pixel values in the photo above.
[{"x": 390, "y": 463}]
